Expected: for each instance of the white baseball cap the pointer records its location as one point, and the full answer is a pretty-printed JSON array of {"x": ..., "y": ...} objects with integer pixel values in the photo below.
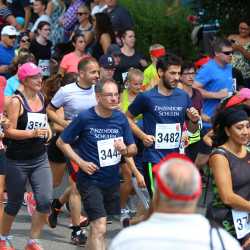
[{"x": 9, "y": 30}]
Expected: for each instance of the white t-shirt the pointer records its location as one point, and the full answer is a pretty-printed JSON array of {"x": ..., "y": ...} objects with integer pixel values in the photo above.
[
  {"x": 74, "y": 99},
  {"x": 172, "y": 232},
  {"x": 44, "y": 18}
]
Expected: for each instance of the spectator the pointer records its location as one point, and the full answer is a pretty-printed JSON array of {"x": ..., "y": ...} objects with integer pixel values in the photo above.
[
  {"x": 69, "y": 19},
  {"x": 39, "y": 7},
  {"x": 21, "y": 9},
  {"x": 151, "y": 77},
  {"x": 130, "y": 58},
  {"x": 70, "y": 61},
  {"x": 120, "y": 17},
  {"x": 99, "y": 7},
  {"x": 104, "y": 34},
  {"x": 55, "y": 10},
  {"x": 7, "y": 50},
  {"x": 6, "y": 16},
  {"x": 178, "y": 188},
  {"x": 84, "y": 25},
  {"x": 41, "y": 47}
]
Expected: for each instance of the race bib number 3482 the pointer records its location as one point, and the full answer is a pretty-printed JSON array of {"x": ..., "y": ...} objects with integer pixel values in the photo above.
[
  {"x": 107, "y": 153},
  {"x": 168, "y": 136}
]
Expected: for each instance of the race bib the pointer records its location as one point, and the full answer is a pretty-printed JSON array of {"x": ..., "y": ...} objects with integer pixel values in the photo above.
[
  {"x": 107, "y": 153},
  {"x": 168, "y": 136},
  {"x": 36, "y": 121},
  {"x": 241, "y": 223},
  {"x": 124, "y": 76},
  {"x": 45, "y": 67}
]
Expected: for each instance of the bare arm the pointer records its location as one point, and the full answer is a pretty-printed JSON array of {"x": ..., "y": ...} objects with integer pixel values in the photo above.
[
  {"x": 49, "y": 8},
  {"x": 105, "y": 41},
  {"x": 27, "y": 13},
  {"x": 223, "y": 180}
]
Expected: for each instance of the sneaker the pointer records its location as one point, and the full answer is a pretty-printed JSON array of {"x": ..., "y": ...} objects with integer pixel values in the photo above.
[
  {"x": 6, "y": 245},
  {"x": 52, "y": 219},
  {"x": 125, "y": 218},
  {"x": 30, "y": 201},
  {"x": 84, "y": 222},
  {"x": 79, "y": 238},
  {"x": 33, "y": 246}
]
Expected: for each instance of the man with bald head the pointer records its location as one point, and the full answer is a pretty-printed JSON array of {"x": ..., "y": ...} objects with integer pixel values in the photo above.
[{"x": 173, "y": 223}]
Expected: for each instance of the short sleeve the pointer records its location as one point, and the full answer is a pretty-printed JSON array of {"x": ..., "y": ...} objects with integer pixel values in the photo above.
[
  {"x": 64, "y": 63},
  {"x": 137, "y": 107},
  {"x": 58, "y": 99}
]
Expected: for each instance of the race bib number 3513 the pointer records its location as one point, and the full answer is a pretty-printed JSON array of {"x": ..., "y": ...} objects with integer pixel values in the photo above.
[
  {"x": 107, "y": 153},
  {"x": 168, "y": 136}
]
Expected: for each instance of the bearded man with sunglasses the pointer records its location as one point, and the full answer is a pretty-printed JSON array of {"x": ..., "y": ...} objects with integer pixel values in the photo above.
[
  {"x": 7, "y": 50},
  {"x": 214, "y": 79}
]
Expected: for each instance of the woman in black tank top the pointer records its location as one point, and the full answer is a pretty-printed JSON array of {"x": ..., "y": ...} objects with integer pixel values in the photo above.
[
  {"x": 26, "y": 154},
  {"x": 230, "y": 164}
]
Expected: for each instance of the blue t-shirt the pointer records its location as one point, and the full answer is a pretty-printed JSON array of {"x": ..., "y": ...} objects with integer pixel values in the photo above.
[
  {"x": 159, "y": 109},
  {"x": 12, "y": 85},
  {"x": 7, "y": 55},
  {"x": 92, "y": 135},
  {"x": 214, "y": 78}
]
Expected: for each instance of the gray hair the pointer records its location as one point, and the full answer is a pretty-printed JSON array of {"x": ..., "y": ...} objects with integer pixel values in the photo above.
[{"x": 182, "y": 177}]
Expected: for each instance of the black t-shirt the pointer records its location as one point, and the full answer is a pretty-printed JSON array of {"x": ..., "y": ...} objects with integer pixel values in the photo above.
[{"x": 41, "y": 51}]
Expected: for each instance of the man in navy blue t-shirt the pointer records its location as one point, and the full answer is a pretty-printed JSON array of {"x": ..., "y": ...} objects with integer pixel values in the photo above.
[
  {"x": 101, "y": 136},
  {"x": 165, "y": 108}
]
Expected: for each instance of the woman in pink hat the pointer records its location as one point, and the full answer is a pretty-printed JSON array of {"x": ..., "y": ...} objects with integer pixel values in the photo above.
[{"x": 26, "y": 156}]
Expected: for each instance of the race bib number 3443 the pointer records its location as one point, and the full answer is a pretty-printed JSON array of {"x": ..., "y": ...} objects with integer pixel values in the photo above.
[
  {"x": 168, "y": 136},
  {"x": 241, "y": 223},
  {"x": 107, "y": 153}
]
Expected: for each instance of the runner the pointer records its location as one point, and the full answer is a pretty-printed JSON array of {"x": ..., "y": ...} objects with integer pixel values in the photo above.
[
  {"x": 164, "y": 109},
  {"x": 26, "y": 156},
  {"x": 103, "y": 136},
  {"x": 74, "y": 97}
]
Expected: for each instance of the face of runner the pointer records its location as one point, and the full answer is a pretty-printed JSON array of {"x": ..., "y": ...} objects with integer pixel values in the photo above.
[
  {"x": 171, "y": 76},
  {"x": 109, "y": 98},
  {"x": 239, "y": 132},
  {"x": 38, "y": 7},
  {"x": 129, "y": 39},
  {"x": 135, "y": 84},
  {"x": 225, "y": 56},
  {"x": 107, "y": 73},
  {"x": 91, "y": 73},
  {"x": 187, "y": 77},
  {"x": 80, "y": 44},
  {"x": 44, "y": 31},
  {"x": 34, "y": 83}
]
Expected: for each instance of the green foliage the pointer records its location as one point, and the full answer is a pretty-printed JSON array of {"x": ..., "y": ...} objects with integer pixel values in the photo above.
[{"x": 152, "y": 25}]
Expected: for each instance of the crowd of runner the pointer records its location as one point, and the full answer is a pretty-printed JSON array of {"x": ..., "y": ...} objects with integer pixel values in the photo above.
[{"x": 78, "y": 99}]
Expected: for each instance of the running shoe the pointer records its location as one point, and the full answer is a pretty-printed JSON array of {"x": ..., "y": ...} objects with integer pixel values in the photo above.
[
  {"x": 125, "y": 217},
  {"x": 79, "y": 238},
  {"x": 52, "y": 219},
  {"x": 35, "y": 245},
  {"x": 30, "y": 201},
  {"x": 84, "y": 222},
  {"x": 6, "y": 245}
]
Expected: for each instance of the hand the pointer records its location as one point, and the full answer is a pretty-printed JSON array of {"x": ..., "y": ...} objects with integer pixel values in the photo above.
[
  {"x": 140, "y": 180},
  {"x": 193, "y": 114},
  {"x": 4, "y": 121},
  {"x": 66, "y": 123},
  {"x": 88, "y": 167},
  {"x": 41, "y": 133},
  {"x": 148, "y": 140},
  {"x": 120, "y": 146},
  {"x": 208, "y": 138},
  {"x": 221, "y": 94},
  {"x": 237, "y": 47}
]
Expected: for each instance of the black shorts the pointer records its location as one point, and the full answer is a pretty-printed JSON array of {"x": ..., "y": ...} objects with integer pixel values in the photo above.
[
  {"x": 54, "y": 153},
  {"x": 3, "y": 163},
  {"x": 99, "y": 202}
]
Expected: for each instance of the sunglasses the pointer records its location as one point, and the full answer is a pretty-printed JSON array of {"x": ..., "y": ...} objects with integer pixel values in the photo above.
[
  {"x": 12, "y": 37},
  {"x": 25, "y": 40},
  {"x": 82, "y": 13},
  {"x": 228, "y": 53}
]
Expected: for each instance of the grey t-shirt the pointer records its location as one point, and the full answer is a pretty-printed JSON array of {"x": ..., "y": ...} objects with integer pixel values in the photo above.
[{"x": 74, "y": 99}]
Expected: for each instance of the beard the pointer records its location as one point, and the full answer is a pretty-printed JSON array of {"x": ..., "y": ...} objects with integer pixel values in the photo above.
[{"x": 169, "y": 85}]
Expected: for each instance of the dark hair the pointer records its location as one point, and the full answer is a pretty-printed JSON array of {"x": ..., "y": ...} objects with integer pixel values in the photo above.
[
  {"x": 123, "y": 33},
  {"x": 166, "y": 61},
  {"x": 42, "y": 24},
  {"x": 104, "y": 25},
  {"x": 43, "y": 2},
  {"x": 100, "y": 85},
  {"x": 85, "y": 61},
  {"x": 219, "y": 43},
  {"x": 76, "y": 36},
  {"x": 187, "y": 66}
]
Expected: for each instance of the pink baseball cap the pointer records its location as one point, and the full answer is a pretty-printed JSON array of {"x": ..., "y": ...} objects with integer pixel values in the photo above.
[
  {"x": 28, "y": 69},
  {"x": 244, "y": 93}
]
